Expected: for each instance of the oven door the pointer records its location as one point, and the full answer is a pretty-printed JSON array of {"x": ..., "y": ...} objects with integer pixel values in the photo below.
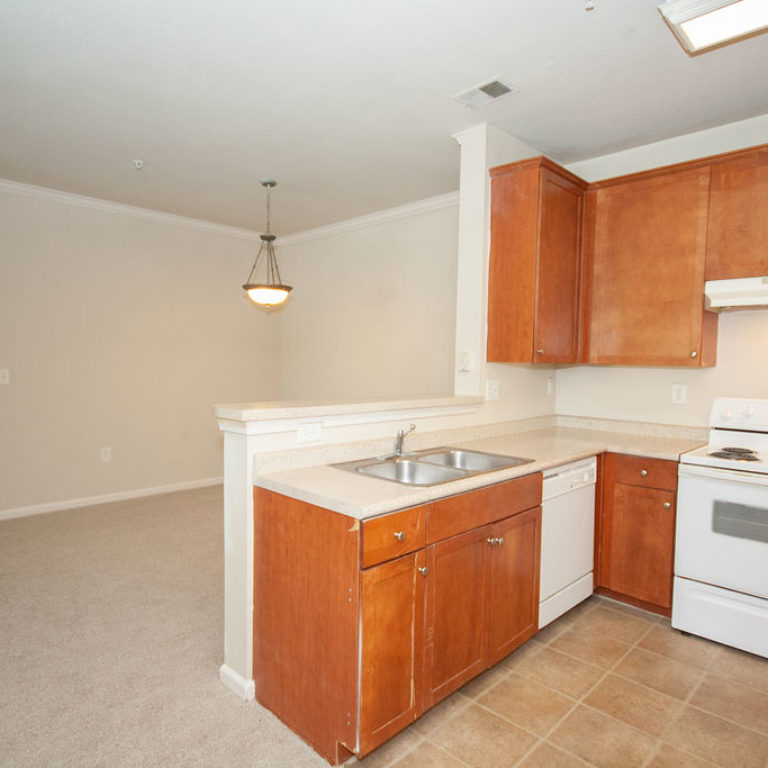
[{"x": 722, "y": 528}]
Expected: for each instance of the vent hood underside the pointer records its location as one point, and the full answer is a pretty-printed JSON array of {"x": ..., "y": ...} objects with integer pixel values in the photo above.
[{"x": 741, "y": 293}]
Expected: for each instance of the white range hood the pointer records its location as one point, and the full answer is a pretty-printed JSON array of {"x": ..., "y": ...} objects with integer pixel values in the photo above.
[{"x": 741, "y": 293}]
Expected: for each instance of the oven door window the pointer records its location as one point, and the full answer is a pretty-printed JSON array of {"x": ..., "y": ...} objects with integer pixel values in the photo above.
[{"x": 740, "y": 520}]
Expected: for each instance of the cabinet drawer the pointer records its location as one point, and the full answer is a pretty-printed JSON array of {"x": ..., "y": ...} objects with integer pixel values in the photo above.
[
  {"x": 392, "y": 535},
  {"x": 456, "y": 514},
  {"x": 649, "y": 473}
]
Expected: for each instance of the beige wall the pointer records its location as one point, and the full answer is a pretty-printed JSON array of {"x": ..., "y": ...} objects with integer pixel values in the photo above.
[
  {"x": 373, "y": 309},
  {"x": 123, "y": 331},
  {"x": 645, "y": 394}
]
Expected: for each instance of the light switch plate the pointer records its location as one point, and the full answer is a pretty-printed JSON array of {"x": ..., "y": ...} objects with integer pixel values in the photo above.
[
  {"x": 5, "y": 377},
  {"x": 465, "y": 360}
]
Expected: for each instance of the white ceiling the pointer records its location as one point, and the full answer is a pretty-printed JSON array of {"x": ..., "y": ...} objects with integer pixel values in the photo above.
[{"x": 345, "y": 102}]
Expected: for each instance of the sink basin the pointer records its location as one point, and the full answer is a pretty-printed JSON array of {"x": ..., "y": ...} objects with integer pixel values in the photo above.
[
  {"x": 472, "y": 461},
  {"x": 411, "y": 472},
  {"x": 433, "y": 466}
]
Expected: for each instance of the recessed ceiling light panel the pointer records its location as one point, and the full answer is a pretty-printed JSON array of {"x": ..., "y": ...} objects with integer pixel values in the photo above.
[
  {"x": 484, "y": 93},
  {"x": 703, "y": 24}
]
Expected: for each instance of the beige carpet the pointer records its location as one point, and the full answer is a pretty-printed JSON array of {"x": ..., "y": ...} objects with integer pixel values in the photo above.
[{"x": 111, "y": 637}]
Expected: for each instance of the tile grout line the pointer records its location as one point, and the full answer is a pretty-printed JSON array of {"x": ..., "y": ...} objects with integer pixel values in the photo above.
[{"x": 580, "y": 700}]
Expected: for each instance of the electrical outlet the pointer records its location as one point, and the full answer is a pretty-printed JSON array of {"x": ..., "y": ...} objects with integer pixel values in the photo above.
[
  {"x": 310, "y": 433},
  {"x": 492, "y": 390},
  {"x": 105, "y": 454},
  {"x": 5, "y": 377},
  {"x": 679, "y": 394},
  {"x": 550, "y": 386}
]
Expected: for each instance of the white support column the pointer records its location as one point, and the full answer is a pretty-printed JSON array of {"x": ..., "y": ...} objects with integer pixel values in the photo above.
[
  {"x": 482, "y": 147},
  {"x": 239, "y": 447}
]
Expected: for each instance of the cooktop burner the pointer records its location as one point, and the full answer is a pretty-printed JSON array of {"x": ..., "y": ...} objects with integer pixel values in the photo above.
[{"x": 736, "y": 454}]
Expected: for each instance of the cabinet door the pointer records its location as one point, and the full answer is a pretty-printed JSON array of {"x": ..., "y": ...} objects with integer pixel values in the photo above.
[
  {"x": 738, "y": 218},
  {"x": 639, "y": 530},
  {"x": 392, "y": 629},
  {"x": 456, "y": 637},
  {"x": 533, "y": 279},
  {"x": 645, "y": 258},
  {"x": 514, "y": 584},
  {"x": 556, "y": 321}
]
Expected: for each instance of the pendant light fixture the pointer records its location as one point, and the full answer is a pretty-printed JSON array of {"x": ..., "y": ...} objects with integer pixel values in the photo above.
[{"x": 271, "y": 291}]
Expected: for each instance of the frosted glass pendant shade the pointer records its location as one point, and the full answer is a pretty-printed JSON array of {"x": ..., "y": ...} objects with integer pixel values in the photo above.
[{"x": 267, "y": 295}]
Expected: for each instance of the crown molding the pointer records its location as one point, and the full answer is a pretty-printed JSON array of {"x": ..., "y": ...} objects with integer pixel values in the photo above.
[
  {"x": 380, "y": 217},
  {"x": 122, "y": 209},
  {"x": 349, "y": 225}
]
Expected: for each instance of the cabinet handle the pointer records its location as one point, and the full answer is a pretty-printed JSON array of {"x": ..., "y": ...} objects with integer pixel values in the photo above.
[
  {"x": 694, "y": 354},
  {"x": 400, "y": 535},
  {"x": 423, "y": 571},
  {"x": 643, "y": 473},
  {"x": 667, "y": 505}
]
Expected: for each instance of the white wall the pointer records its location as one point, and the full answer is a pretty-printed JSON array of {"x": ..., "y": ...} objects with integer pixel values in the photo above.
[
  {"x": 121, "y": 330},
  {"x": 644, "y": 394},
  {"x": 373, "y": 308}
]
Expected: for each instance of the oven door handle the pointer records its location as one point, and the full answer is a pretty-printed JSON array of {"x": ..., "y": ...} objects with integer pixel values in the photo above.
[{"x": 727, "y": 475}]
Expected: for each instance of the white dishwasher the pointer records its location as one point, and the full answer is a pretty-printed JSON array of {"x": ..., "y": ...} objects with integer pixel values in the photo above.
[{"x": 567, "y": 538}]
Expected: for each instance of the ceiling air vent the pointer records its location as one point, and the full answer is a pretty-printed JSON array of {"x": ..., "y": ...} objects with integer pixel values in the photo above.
[{"x": 485, "y": 93}]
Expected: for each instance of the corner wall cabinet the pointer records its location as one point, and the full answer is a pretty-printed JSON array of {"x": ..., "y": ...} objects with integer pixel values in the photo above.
[
  {"x": 533, "y": 282},
  {"x": 394, "y": 612},
  {"x": 638, "y": 530},
  {"x": 737, "y": 237}
]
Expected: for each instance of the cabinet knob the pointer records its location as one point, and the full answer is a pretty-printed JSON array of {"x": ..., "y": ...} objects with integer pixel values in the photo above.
[
  {"x": 500, "y": 541},
  {"x": 492, "y": 540},
  {"x": 694, "y": 354},
  {"x": 400, "y": 535},
  {"x": 667, "y": 505},
  {"x": 423, "y": 571},
  {"x": 539, "y": 351},
  {"x": 643, "y": 473}
]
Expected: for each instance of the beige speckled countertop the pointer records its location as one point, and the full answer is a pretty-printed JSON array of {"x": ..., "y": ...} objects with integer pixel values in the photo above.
[{"x": 360, "y": 496}]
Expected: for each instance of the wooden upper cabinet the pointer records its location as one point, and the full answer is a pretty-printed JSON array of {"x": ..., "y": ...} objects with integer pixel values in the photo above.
[
  {"x": 644, "y": 264},
  {"x": 533, "y": 283},
  {"x": 737, "y": 236}
]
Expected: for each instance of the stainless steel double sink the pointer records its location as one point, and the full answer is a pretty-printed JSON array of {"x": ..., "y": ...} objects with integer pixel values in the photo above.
[{"x": 433, "y": 466}]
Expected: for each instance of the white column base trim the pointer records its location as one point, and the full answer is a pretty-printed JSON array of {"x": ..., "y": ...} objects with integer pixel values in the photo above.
[
  {"x": 88, "y": 501},
  {"x": 245, "y": 689}
]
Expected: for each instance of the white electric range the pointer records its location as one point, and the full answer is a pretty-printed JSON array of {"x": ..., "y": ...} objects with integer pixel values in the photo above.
[{"x": 721, "y": 541}]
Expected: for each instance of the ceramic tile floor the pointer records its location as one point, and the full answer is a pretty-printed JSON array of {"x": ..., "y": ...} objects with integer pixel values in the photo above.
[{"x": 605, "y": 685}]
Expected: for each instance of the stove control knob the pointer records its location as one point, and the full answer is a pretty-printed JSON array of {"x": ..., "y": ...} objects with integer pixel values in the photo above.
[
  {"x": 726, "y": 414},
  {"x": 748, "y": 411}
]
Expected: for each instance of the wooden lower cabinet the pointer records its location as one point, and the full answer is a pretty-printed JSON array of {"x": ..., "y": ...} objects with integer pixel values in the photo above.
[
  {"x": 348, "y": 655},
  {"x": 638, "y": 530},
  {"x": 392, "y": 631},
  {"x": 457, "y": 612},
  {"x": 514, "y": 583}
]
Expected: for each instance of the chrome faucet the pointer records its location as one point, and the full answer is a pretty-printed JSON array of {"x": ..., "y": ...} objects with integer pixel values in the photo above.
[{"x": 401, "y": 433}]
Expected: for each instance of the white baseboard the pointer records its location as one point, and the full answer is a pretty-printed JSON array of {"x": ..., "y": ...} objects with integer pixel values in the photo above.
[
  {"x": 237, "y": 683},
  {"x": 88, "y": 501}
]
